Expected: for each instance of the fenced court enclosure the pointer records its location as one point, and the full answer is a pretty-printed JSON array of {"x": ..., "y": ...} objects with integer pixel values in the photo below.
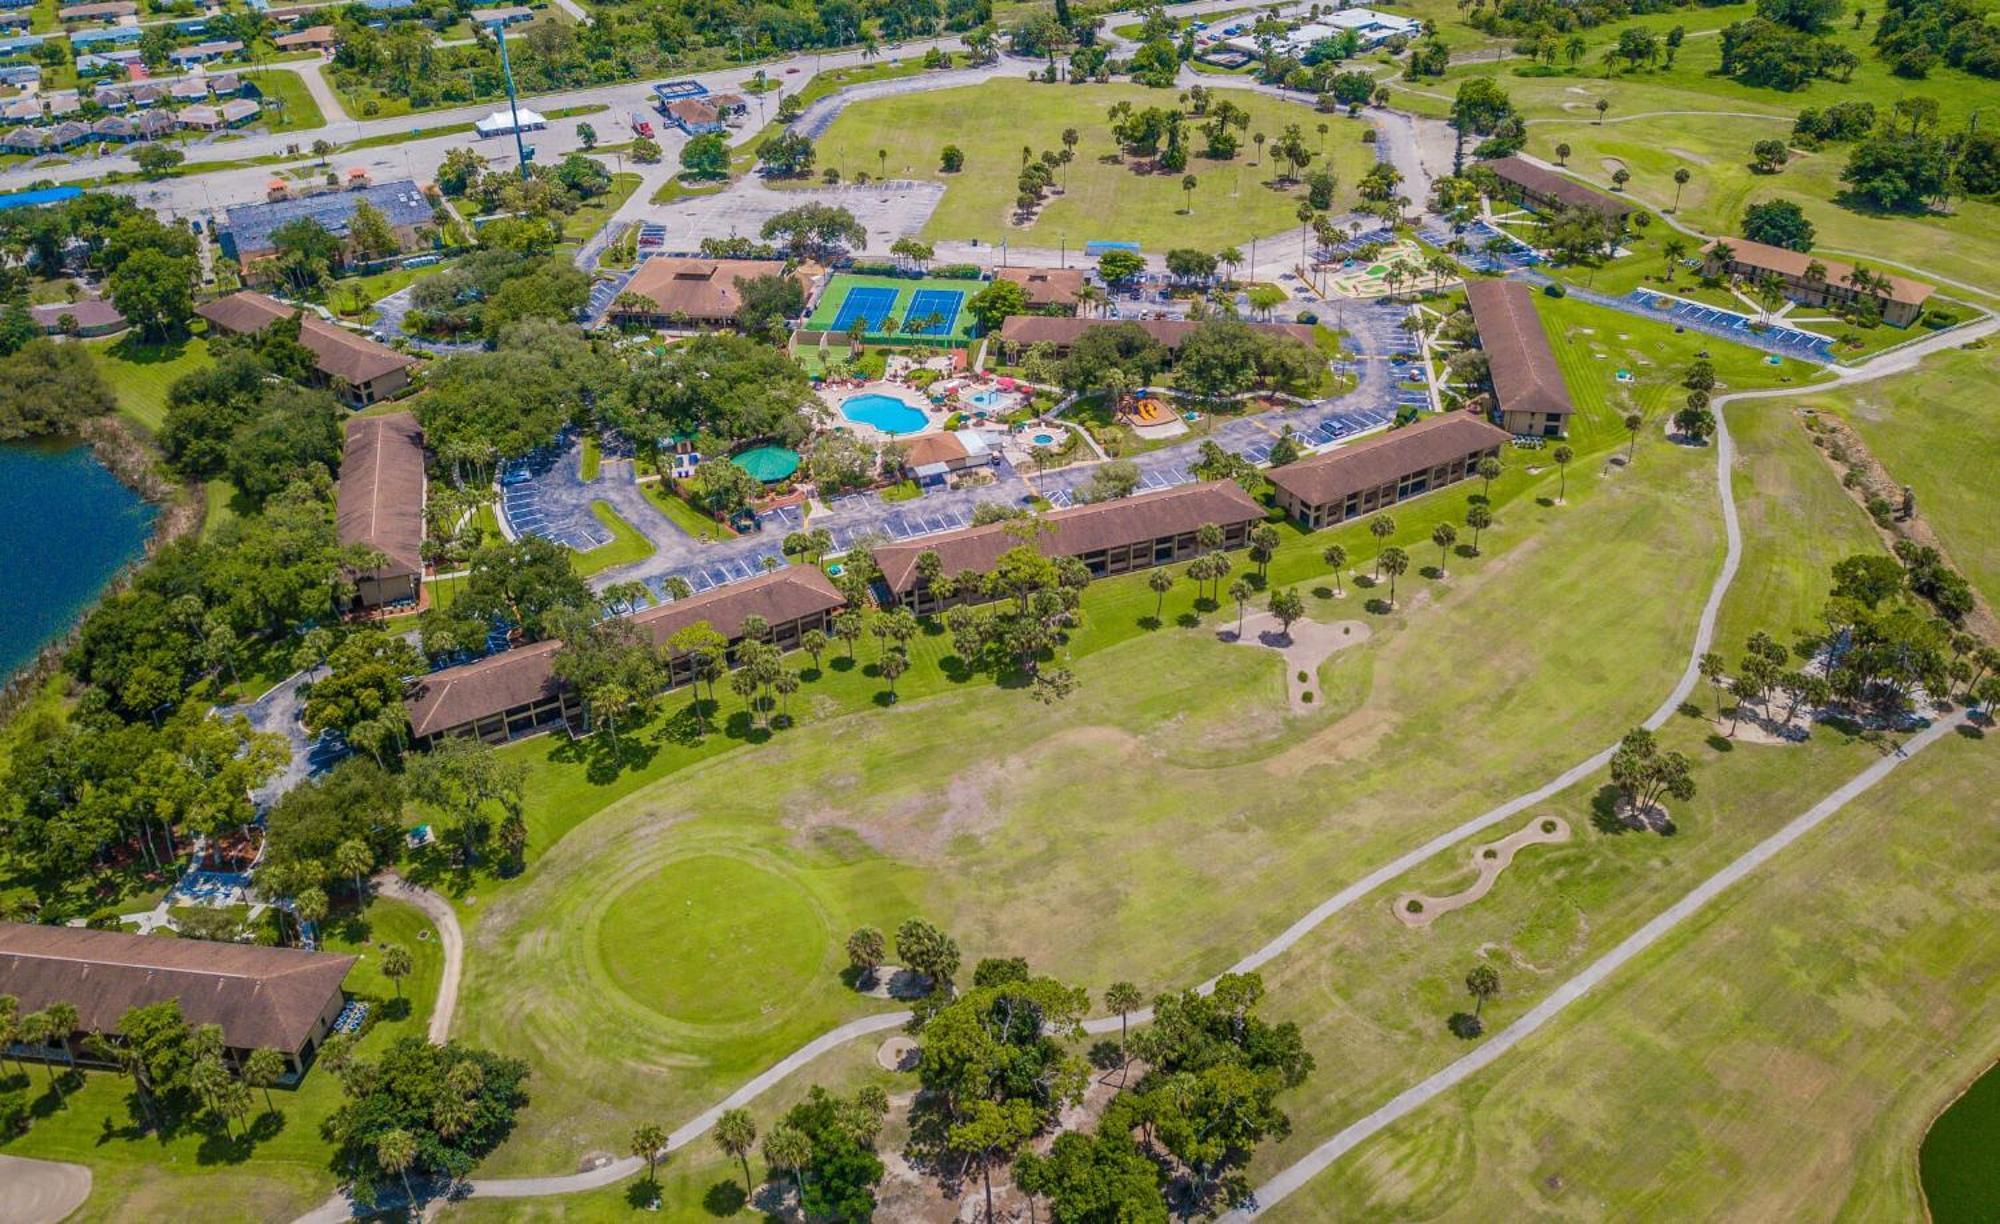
[{"x": 890, "y": 310}]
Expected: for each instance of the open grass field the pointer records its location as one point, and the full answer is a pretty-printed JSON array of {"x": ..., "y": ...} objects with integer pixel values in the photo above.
[
  {"x": 857, "y": 820},
  {"x": 1779, "y": 1057},
  {"x": 1689, "y": 114},
  {"x": 141, "y": 373},
  {"x": 195, "y": 1174},
  {"x": 1934, "y": 429},
  {"x": 294, "y": 109},
  {"x": 1108, "y": 197}
]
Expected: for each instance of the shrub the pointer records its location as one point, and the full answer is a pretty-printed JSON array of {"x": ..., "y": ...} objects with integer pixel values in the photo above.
[
  {"x": 1414, "y": 906},
  {"x": 1880, "y": 510},
  {"x": 1305, "y": 698},
  {"x": 1548, "y": 826},
  {"x": 1302, "y": 677},
  {"x": 1554, "y": 290},
  {"x": 1368, "y": 136},
  {"x": 957, "y": 271},
  {"x": 1489, "y": 853}
]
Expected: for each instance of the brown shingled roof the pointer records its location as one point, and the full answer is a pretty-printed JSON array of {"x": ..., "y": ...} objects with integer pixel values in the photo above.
[
  {"x": 1036, "y": 329},
  {"x": 1794, "y": 263},
  {"x": 459, "y": 695},
  {"x": 381, "y": 497},
  {"x": 1383, "y": 459},
  {"x": 1545, "y": 182},
  {"x": 930, "y": 448},
  {"x": 264, "y": 998},
  {"x": 337, "y": 352},
  {"x": 698, "y": 288},
  {"x": 248, "y": 311},
  {"x": 1524, "y": 371},
  {"x": 1078, "y": 530},
  {"x": 1045, "y": 286}
]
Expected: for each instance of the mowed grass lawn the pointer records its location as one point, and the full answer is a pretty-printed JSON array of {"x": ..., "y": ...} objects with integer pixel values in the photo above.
[
  {"x": 627, "y": 544},
  {"x": 140, "y": 374},
  {"x": 1666, "y": 126},
  {"x": 1113, "y": 836},
  {"x": 1779, "y": 1057},
  {"x": 1118, "y": 199},
  {"x": 1937, "y": 429},
  {"x": 296, "y": 110},
  {"x": 196, "y": 1175}
]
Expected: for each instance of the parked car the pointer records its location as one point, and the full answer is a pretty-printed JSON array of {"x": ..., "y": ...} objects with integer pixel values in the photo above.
[{"x": 641, "y": 125}]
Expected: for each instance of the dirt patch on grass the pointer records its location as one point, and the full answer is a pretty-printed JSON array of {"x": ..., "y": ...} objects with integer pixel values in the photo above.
[
  {"x": 1489, "y": 860},
  {"x": 1304, "y": 648}
]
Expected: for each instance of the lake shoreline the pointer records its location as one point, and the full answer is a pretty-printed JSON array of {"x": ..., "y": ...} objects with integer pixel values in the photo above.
[{"x": 129, "y": 456}]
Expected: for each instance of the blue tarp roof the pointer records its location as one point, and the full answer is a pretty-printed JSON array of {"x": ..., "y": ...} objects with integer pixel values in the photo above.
[
  {"x": 113, "y": 34},
  {"x": 35, "y": 199}
]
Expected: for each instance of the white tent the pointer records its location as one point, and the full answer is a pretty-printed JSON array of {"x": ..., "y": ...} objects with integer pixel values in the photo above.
[{"x": 501, "y": 123}]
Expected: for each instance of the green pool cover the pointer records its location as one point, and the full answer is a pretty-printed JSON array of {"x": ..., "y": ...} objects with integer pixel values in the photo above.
[{"x": 769, "y": 464}]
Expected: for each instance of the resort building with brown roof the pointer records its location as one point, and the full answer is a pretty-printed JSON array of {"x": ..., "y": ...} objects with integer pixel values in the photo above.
[
  {"x": 1114, "y": 537},
  {"x": 1047, "y": 288},
  {"x": 1377, "y": 472},
  {"x": 1546, "y": 190},
  {"x": 283, "y": 999},
  {"x": 1814, "y": 281},
  {"x": 1530, "y": 397},
  {"x": 356, "y": 369},
  {"x": 692, "y": 292},
  {"x": 380, "y": 504},
  {"x": 517, "y": 693}
]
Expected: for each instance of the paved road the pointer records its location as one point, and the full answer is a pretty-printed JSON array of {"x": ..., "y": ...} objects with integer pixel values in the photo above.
[
  {"x": 1295, "y": 1176},
  {"x": 40, "y": 1191},
  {"x": 451, "y": 937}
]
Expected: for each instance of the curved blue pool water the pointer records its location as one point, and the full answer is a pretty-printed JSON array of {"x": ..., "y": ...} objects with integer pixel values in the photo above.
[
  {"x": 884, "y": 412},
  {"x": 984, "y": 399},
  {"x": 1044, "y": 439}
]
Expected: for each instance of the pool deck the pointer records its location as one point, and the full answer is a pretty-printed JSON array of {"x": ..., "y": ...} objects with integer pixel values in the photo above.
[{"x": 834, "y": 397}]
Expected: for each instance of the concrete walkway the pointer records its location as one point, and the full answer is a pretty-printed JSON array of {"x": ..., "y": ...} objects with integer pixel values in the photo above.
[{"x": 1289, "y": 1181}]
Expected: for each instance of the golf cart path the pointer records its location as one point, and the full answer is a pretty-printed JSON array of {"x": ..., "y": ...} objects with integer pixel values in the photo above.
[
  {"x": 451, "y": 937},
  {"x": 40, "y": 1191},
  {"x": 1295, "y": 1176},
  {"x": 338, "y": 1207}
]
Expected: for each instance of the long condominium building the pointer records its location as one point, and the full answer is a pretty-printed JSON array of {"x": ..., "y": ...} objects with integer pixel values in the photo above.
[
  {"x": 517, "y": 693},
  {"x": 1529, "y": 394},
  {"x": 1815, "y": 281},
  {"x": 1376, "y": 473},
  {"x": 380, "y": 503},
  {"x": 1112, "y": 537}
]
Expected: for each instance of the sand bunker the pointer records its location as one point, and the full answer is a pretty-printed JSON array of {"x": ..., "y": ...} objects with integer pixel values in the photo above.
[
  {"x": 1309, "y": 644},
  {"x": 1420, "y": 910}
]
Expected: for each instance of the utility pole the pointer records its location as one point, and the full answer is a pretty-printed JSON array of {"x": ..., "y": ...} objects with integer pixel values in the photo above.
[{"x": 513, "y": 103}]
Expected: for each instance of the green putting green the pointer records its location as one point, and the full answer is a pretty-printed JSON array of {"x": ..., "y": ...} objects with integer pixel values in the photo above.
[
  {"x": 769, "y": 464},
  {"x": 712, "y": 939}
]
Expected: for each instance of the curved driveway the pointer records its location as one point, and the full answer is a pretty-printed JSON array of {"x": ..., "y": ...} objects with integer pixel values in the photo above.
[{"x": 451, "y": 937}]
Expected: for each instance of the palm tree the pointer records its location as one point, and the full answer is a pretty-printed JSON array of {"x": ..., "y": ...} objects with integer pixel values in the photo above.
[
  {"x": 261, "y": 1070},
  {"x": 1603, "y": 104},
  {"x": 396, "y": 1151},
  {"x": 353, "y": 858},
  {"x": 1336, "y": 559},
  {"x": 1444, "y": 535},
  {"x": 1381, "y": 527},
  {"x": 1159, "y": 582},
  {"x": 1482, "y": 984},
  {"x": 1672, "y": 250},
  {"x": 787, "y": 1148},
  {"x": 1123, "y": 998},
  {"x": 1633, "y": 422},
  {"x": 1239, "y": 591},
  {"x": 396, "y": 965},
  {"x": 309, "y": 907},
  {"x": 735, "y": 1133},
  {"x": 1478, "y": 517},
  {"x": 1682, "y": 176},
  {"x": 1188, "y": 185},
  {"x": 647, "y": 1141},
  {"x": 1259, "y": 138},
  {"x": 1711, "y": 667},
  {"x": 1489, "y": 470},
  {"x": 1395, "y": 561},
  {"x": 1562, "y": 155},
  {"x": 1562, "y": 456}
]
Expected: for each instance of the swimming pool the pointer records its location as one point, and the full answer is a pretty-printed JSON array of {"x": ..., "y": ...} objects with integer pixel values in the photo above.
[
  {"x": 1042, "y": 439},
  {"x": 884, "y": 412},
  {"x": 985, "y": 399}
]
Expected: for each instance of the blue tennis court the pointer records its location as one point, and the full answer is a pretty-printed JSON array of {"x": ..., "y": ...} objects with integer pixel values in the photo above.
[
  {"x": 871, "y": 305},
  {"x": 924, "y": 304}
]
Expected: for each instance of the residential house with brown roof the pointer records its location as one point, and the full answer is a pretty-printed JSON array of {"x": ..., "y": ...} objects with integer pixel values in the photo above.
[
  {"x": 1529, "y": 394},
  {"x": 1811, "y": 280},
  {"x": 283, "y": 999},
  {"x": 100, "y": 10},
  {"x": 87, "y": 317},
  {"x": 380, "y": 504},
  {"x": 312, "y": 38},
  {"x": 1114, "y": 537},
  {"x": 357, "y": 369},
  {"x": 517, "y": 693},
  {"x": 1546, "y": 190},
  {"x": 692, "y": 292},
  {"x": 694, "y": 116},
  {"x": 1049, "y": 289},
  {"x": 1358, "y": 479},
  {"x": 1021, "y": 332}
]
